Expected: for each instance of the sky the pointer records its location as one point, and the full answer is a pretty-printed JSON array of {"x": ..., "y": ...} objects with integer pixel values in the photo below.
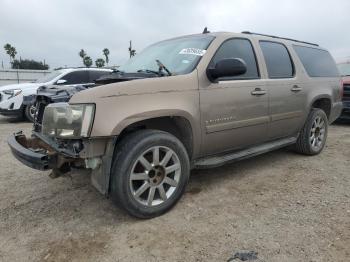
[{"x": 56, "y": 30}]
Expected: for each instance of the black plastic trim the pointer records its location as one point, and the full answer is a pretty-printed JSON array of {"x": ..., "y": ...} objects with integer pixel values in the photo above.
[{"x": 26, "y": 156}]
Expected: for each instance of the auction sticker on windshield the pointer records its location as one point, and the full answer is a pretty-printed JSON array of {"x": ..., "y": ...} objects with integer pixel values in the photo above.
[{"x": 192, "y": 51}]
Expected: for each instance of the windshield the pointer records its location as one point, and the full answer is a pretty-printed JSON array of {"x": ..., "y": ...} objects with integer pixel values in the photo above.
[
  {"x": 49, "y": 77},
  {"x": 179, "y": 56},
  {"x": 344, "y": 69}
]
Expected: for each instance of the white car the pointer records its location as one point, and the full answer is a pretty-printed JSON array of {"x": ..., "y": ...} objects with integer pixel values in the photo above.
[{"x": 11, "y": 96}]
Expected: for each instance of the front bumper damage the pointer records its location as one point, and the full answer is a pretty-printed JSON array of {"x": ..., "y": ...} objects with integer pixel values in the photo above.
[{"x": 43, "y": 153}]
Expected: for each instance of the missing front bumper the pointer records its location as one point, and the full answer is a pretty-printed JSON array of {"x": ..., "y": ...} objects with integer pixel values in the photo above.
[
  {"x": 31, "y": 152},
  {"x": 42, "y": 153}
]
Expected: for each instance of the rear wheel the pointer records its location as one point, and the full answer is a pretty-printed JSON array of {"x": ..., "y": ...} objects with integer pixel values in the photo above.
[
  {"x": 29, "y": 112},
  {"x": 312, "y": 138},
  {"x": 149, "y": 174}
]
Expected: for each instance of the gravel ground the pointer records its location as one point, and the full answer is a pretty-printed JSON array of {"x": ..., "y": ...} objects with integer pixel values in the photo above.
[{"x": 284, "y": 206}]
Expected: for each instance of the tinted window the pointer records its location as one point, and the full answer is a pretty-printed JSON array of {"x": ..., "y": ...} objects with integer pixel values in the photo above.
[
  {"x": 77, "y": 77},
  {"x": 238, "y": 48},
  {"x": 317, "y": 62},
  {"x": 277, "y": 58},
  {"x": 96, "y": 75}
]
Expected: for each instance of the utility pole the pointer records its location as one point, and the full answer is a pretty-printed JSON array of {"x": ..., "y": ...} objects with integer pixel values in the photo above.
[{"x": 132, "y": 52}]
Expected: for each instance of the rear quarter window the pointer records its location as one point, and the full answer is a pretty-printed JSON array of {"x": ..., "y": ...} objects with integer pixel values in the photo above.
[{"x": 317, "y": 62}]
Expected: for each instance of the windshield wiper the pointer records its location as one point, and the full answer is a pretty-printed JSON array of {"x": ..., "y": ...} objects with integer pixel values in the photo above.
[
  {"x": 162, "y": 67},
  {"x": 148, "y": 71},
  {"x": 160, "y": 71}
]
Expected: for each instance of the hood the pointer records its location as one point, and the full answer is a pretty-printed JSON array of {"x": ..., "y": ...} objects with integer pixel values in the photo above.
[
  {"x": 346, "y": 79},
  {"x": 118, "y": 76},
  {"x": 20, "y": 86},
  {"x": 137, "y": 87}
]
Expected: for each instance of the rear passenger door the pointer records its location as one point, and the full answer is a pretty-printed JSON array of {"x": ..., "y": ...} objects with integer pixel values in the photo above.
[{"x": 286, "y": 93}]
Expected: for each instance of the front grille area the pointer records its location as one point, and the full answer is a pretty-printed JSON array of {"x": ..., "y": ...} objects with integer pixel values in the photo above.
[{"x": 346, "y": 95}]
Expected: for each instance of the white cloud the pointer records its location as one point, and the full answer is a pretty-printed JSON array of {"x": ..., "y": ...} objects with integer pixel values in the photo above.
[{"x": 56, "y": 30}]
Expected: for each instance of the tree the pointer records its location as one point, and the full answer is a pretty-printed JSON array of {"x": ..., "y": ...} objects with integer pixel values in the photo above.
[
  {"x": 11, "y": 51},
  {"x": 29, "y": 64},
  {"x": 87, "y": 61},
  {"x": 82, "y": 54},
  {"x": 106, "y": 54},
  {"x": 100, "y": 62}
]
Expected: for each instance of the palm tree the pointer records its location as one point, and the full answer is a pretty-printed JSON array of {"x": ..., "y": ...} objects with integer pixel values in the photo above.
[
  {"x": 106, "y": 54},
  {"x": 100, "y": 62},
  {"x": 87, "y": 61},
  {"x": 82, "y": 54},
  {"x": 11, "y": 51}
]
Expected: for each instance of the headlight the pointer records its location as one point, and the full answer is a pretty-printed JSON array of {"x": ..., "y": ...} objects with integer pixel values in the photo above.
[
  {"x": 12, "y": 93},
  {"x": 68, "y": 121}
]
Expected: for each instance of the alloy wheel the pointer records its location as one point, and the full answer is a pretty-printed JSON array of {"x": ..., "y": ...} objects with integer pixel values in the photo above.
[
  {"x": 317, "y": 133},
  {"x": 155, "y": 176}
]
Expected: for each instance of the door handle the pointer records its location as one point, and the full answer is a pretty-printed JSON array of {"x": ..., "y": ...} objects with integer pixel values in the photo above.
[
  {"x": 296, "y": 88},
  {"x": 258, "y": 92}
]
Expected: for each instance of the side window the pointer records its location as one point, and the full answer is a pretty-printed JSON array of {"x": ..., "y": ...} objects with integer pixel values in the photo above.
[
  {"x": 97, "y": 74},
  {"x": 238, "y": 48},
  {"x": 317, "y": 62},
  {"x": 76, "y": 77},
  {"x": 277, "y": 58}
]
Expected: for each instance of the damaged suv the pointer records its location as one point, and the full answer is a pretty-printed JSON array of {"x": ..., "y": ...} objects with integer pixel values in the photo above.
[{"x": 197, "y": 101}]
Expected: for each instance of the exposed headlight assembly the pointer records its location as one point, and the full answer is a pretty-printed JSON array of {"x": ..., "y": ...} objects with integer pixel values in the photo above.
[
  {"x": 63, "y": 120},
  {"x": 12, "y": 93}
]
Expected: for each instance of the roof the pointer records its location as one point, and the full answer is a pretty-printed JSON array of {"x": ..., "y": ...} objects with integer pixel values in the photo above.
[{"x": 252, "y": 34}]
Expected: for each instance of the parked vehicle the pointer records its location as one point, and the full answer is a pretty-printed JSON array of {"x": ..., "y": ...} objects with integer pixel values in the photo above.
[
  {"x": 197, "y": 101},
  {"x": 12, "y": 96},
  {"x": 344, "y": 69}
]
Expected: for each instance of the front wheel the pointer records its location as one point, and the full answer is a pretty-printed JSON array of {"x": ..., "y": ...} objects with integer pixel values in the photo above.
[
  {"x": 312, "y": 138},
  {"x": 149, "y": 174}
]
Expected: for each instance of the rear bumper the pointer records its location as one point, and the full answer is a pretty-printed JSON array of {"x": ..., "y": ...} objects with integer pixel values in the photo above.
[
  {"x": 336, "y": 111},
  {"x": 19, "y": 146}
]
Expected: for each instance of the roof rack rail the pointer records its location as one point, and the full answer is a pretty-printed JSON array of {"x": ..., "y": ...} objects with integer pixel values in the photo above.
[{"x": 273, "y": 36}]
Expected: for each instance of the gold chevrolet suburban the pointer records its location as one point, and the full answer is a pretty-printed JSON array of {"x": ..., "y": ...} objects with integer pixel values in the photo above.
[{"x": 196, "y": 101}]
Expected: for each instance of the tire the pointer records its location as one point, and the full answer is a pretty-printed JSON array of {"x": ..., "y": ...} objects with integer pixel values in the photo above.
[
  {"x": 313, "y": 136},
  {"x": 137, "y": 177},
  {"x": 29, "y": 112}
]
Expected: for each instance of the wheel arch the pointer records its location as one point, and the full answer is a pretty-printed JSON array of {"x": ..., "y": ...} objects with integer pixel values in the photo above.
[
  {"x": 177, "y": 123},
  {"x": 323, "y": 102}
]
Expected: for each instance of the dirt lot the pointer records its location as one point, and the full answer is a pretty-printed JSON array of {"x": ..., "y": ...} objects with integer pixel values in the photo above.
[{"x": 284, "y": 206}]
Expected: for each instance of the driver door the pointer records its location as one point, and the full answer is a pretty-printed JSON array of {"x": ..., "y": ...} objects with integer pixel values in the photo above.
[{"x": 234, "y": 109}]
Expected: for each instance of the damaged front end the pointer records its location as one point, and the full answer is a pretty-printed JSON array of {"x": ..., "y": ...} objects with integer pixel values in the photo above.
[{"x": 64, "y": 144}]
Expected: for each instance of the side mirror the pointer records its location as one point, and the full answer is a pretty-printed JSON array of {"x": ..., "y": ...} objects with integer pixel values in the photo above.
[
  {"x": 226, "y": 68},
  {"x": 61, "y": 82}
]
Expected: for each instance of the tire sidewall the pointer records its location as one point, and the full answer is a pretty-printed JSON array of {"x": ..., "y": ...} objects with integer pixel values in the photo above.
[
  {"x": 316, "y": 113},
  {"x": 27, "y": 113},
  {"x": 124, "y": 163}
]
